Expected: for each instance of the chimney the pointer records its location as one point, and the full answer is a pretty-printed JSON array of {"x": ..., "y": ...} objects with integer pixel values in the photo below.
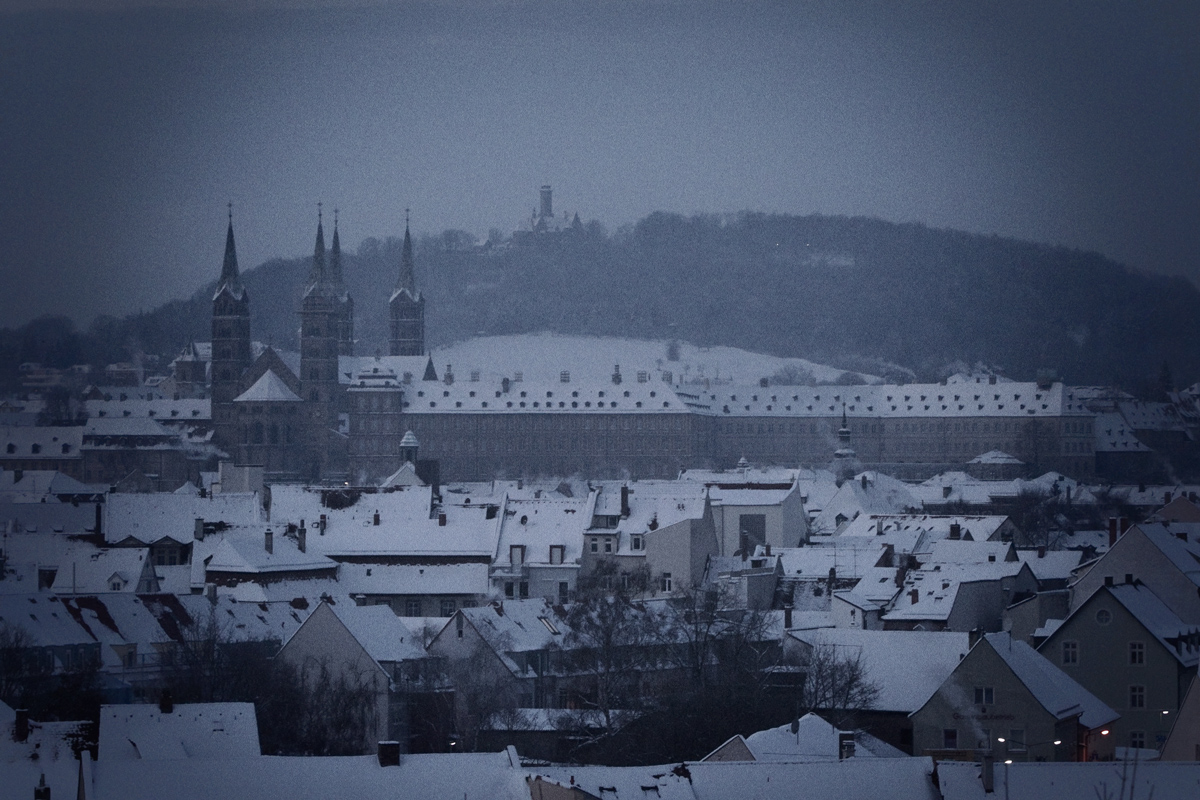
[
  {"x": 322, "y": 524},
  {"x": 210, "y": 592},
  {"x": 41, "y": 791},
  {"x": 988, "y": 774},
  {"x": 1041, "y": 551},
  {"x": 616, "y": 376},
  {"x": 914, "y": 596},
  {"x": 21, "y": 725},
  {"x": 505, "y": 385},
  {"x": 955, "y": 530},
  {"x": 992, "y": 380},
  {"x": 767, "y": 550},
  {"x": 166, "y": 703},
  {"x": 973, "y": 637},
  {"x": 764, "y": 382},
  {"x": 1166, "y": 498},
  {"x": 302, "y": 539},
  {"x": 99, "y": 520},
  {"x": 375, "y": 519},
  {"x": 449, "y": 376},
  {"x": 787, "y": 616},
  {"x": 1124, "y": 525},
  {"x": 389, "y": 754},
  {"x": 830, "y": 581},
  {"x": 1112, "y": 531},
  {"x": 269, "y": 541},
  {"x": 198, "y": 534},
  {"x": 864, "y": 480},
  {"x": 625, "y": 501},
  {"x": 879, "y": 527},
  {"x": 442, "y": 519}
]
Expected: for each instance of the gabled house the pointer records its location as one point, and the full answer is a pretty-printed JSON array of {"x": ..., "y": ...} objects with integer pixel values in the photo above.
[
  {"x": 1129, "y": 649},
  {"x": 1157, "y": 554},
  {"x": 1007, "y": 700}
]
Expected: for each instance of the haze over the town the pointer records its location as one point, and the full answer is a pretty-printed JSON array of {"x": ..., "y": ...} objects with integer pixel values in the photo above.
[{"x": 127, "y": 130}]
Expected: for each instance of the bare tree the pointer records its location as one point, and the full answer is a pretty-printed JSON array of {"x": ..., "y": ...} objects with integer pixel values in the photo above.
[
  {"x": 836, "y": 683},
  {"x": 483, "y": 689}
]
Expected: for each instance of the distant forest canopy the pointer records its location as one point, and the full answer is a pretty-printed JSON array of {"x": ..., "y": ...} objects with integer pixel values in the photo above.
[{"x": 851, "y": 292}]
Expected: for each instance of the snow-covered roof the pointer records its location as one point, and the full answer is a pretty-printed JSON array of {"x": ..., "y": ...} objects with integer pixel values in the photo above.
[
  {"x": 996, "y": 457},
  {"x": 210, "y": 731},
  {"x": 517, "y": 626},
  {"x": 1067, "y": 780},
  {"x": 88, "y": 570},
  {"x": 165, "y": 409},
  {"x": 413, "y": 579},
  {"x": 1114, "y": 435},
  {"x": 46, "y": 753},
  {"x": 538, "y": 525},
  {"x": 269, "y": 388},
  {"x": 149, "y": 517},
  {"x": 814, "y": 740},
  {"x": 1051, "y": 564},
  {"x": 1053, "y": 689},
  {"x": 814, "y": 563},
  {"x": 52, "y": 443},
  {"x": 928, "y": 658},
  {"x": 246, "y": 554},
  {"x": 122, "y": 427},
  {"x": 381, "y": 633},
  {"x": 36, "y": 485}
]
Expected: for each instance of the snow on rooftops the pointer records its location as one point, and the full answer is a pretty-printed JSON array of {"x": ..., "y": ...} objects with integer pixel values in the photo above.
[
  {"x": 87, "y": 570},
  {"x": 100, "y": 428},
  {"x": 1142, "y": 415},
  {"x": 867, "y": 493},
  {"x": 950, "y": 551},
  {"x": 247, "y": 555},
  {"x": 148, "y": 517},
  {"x": 923, "y": 530},
  {"x": 537, "y": 526},
  {"x": 1050, "y": 686},
  {"x": 814, "y": 563},
  {"x": 745, "y": 476},
  {"x": 405, "y": 526},
  {"x": 164, "y": 409},
  {"x": 1067, "y": 780},
  {"x": 405, "y": 370},
  {"x": 1051, "y": 565},
  {"x": 36, "y": 485},
  {"x": 381, "y": 633},
  {"x": 270, "y": 388},
  {"x": 1113, "y": 435},
  {"x": 1180, "y": 638},
  {"x": 45, "y": 755},
  {"x": 414, "y": 579},
  {"x": 928, "y": 658},
  {"x": 888, "y": 400},
  {"x": 995, "y": 457},
  {"x": 211, "y": 731},
  {"x": 814, "y": 740},
  {"x": 558, "y": 397},
  {"x": 652, "y": 505},
  {"x": 1185, "y": 555},
  {"x": 516, "y": 626},
  {"x": 31, "y": 442}
]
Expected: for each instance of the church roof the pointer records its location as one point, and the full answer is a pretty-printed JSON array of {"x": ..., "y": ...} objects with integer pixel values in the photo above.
[{"x": 269, "y": 388}]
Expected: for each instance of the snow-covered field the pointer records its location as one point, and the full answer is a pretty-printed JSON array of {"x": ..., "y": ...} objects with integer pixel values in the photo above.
[{"x": 544, "y": 356}]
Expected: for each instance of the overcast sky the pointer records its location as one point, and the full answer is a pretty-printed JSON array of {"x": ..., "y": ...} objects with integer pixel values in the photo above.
[{"x": 125, "y": 132}]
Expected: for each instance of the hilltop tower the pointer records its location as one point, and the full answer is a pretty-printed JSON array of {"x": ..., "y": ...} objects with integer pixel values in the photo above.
[
  {"x": 407, "y": 306},
  {"x": 320, "y": 326},
  {"x": 230, "y": 342}
]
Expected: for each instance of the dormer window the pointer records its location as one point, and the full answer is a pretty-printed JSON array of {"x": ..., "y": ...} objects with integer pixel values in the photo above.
[
  {"x": 636, "y": 542},
  {"x": 556, "y": 553},
  {"x": 516, "y": 555}
]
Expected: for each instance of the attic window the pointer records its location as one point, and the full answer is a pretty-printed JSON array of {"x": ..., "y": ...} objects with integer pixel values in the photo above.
[{"x": 549, "y": 625}]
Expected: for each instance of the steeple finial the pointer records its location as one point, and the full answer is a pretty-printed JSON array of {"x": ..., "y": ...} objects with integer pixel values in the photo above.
[
  {"x": 229, "y": 268},
  {"x": 335, "y": 256}
]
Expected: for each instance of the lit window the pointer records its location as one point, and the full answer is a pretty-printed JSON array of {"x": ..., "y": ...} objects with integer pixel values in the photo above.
[{"x": 1070, "y": 652}]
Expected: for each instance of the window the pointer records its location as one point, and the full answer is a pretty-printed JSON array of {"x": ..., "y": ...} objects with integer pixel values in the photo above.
[
  {"x": 412, "y": 607},
  {"x": 509, "y": 589},
  {"x": 666, "y": 581},
  {"x": 524, "y": 587},
  {"x": 1070, "y": 652},
  {"x": 1104, "y": 616},
  {"x": 950, "y": 739},
  {"x": 635, "y": 542},
  {"x": 556, "y": 553},
  {"x": 608, "y": 545},
  {"x": 447, "y": 607},
  {"x": 1137, "y": 696},
  {"x": 985, "y": 739},
  {"x": 1016, "y": 740},
  {"x": 564, "y": 591},
  {"x": 1137, "y": 653},
  {"x": 1137, "y": 738},
  {"x": 984, "y": 695},
  {"x": 595, "y": 545},
  {"x": 516, "y": 554}
]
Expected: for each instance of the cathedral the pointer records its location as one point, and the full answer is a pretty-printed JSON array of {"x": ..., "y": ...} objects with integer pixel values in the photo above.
[{"x": 326, "y": 416}]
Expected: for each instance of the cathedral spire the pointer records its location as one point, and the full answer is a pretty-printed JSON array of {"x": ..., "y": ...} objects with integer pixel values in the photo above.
[
  {"x": 229, "y": 268},
  {"x": 335, "y": 255},
  {"x": 317, "y": 275},
  {"x": 407, "y": 279}
]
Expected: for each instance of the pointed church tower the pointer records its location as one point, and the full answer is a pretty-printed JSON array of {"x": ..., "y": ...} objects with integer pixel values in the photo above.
[
  {"x": 345, "y": 301},
  {"x": 407, "y": 306},
  {"x": 320, "y": 322},
  {"x": 230, "y": 342}
]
